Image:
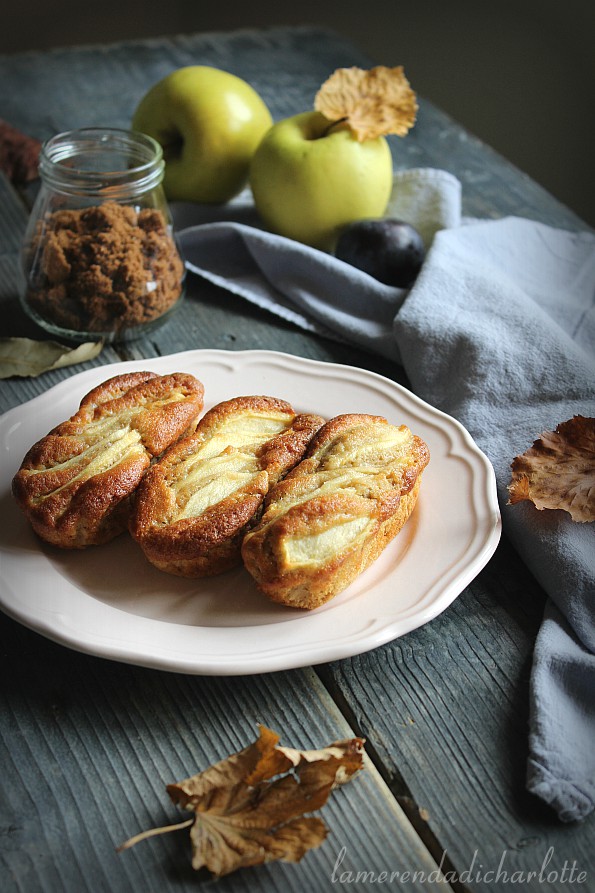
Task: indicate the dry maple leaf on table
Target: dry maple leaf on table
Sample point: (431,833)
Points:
(558,471)
(19,154)
(373,103)
(250,808)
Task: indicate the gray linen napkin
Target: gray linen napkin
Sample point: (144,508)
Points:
(498,331)
(307,287)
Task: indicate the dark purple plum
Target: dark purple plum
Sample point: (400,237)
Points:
(390,250)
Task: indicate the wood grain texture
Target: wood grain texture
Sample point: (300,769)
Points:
(52,91)
(88,746)
(445,711)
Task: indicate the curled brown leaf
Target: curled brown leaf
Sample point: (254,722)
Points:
(558,471)
(19,154)
(251,807)
(372,102)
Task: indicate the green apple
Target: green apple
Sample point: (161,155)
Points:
(310,178)
(209,123)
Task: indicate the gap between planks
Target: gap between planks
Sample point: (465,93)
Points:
(407,814)
(401,800)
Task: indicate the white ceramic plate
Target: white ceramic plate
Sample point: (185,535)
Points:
(110,602)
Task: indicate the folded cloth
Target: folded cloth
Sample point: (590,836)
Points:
(563,680)
(498,331)
(310,288)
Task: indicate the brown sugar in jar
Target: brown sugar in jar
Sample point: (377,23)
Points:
(104,265)
(100,257)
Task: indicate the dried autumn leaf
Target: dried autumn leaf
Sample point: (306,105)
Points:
(19,154)
(373,103)
(27,358)
(249,808)
(558,471)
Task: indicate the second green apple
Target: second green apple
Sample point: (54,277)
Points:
(310,178)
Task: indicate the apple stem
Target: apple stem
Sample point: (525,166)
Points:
(338,123)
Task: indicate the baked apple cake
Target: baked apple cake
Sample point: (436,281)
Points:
(194,506)
(74,485)
(333,515)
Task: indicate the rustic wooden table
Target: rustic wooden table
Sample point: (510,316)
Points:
(87,745)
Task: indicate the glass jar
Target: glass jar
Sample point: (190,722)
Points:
(99,255)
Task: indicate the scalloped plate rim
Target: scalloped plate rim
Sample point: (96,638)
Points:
(302,639)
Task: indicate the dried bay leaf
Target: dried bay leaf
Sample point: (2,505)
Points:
(372,102)
(250,808)
(27,358)
(558,471)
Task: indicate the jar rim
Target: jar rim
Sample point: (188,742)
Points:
(144,168)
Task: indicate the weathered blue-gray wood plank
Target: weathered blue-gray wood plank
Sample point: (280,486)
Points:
(88,746)
(44,93)
(444,708)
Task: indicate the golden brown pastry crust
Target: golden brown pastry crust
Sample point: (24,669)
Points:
(195,505)
(333,515)
(74,485)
